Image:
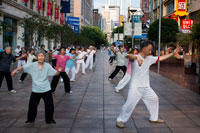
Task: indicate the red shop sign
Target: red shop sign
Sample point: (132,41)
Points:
(186,24)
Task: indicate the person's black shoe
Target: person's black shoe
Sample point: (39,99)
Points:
(51,122)
(28,122)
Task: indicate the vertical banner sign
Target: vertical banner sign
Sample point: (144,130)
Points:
(56,13)
(181,7)
(49,9)
(39,4)
(65,4)
(61,18)
(25,0)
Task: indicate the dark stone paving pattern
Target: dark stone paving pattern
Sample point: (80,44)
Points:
(94,106)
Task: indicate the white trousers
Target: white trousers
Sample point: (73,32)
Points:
(73,71)
(21,63)
(149,98)
(123,82)
(89,61)
(78,67)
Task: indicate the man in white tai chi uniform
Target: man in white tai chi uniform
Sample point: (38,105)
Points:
(140,86)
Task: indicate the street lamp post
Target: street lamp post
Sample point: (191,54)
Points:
(159,35)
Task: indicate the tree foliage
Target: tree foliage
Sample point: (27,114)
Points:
(169,28)
(119,29)
(95,34)
(183,39)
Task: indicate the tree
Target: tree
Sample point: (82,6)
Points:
(34,26)
(119,29)
(95,34)
(169,29)
(68,36)
(83,41)
(183,39)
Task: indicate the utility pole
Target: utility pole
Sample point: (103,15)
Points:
(159,35)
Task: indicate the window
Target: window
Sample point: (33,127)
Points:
(31,4)
(170,8)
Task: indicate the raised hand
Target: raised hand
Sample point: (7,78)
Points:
(178,49)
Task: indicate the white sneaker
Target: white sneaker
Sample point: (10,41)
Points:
(116,90)
(20,81)
(13,91)
(70,91)
(61,80)
(72,80)
(84,73)
(109,79)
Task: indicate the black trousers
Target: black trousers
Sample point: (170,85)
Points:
(116,71)
(23,76)
(66,80)
(33,104)
(53,63)
(8,77)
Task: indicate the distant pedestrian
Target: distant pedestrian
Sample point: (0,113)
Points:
(54,52)
(81,54)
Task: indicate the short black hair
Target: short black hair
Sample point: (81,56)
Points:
(146,43)
(72,49)
(62,47)
(42,45)
(54,47)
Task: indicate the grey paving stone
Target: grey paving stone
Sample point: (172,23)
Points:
(89,123)
(154,130)
(86,130)
(185,130)
(21,130)
(54,130)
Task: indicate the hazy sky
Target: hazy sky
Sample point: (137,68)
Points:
(99,3)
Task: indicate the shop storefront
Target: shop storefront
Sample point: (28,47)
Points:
(10,32)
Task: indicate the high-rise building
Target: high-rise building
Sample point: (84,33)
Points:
(123,4)
(111,15)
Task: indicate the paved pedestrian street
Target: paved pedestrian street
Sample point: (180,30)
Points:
(94,106)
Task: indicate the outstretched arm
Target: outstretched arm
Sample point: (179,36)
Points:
(164,57)
(15,71)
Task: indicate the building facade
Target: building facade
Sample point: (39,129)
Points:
(82,9)
(111,15)
(13,11)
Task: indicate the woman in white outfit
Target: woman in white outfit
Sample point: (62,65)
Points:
(90,54)
(140,86)
(81,54)
(123,82)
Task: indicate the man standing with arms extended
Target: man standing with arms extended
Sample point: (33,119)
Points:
(140,86)
(6,58)
(121,57)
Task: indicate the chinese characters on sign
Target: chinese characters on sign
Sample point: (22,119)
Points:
(181,8)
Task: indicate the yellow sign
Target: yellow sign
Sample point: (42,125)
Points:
(181,8)
(121,20)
